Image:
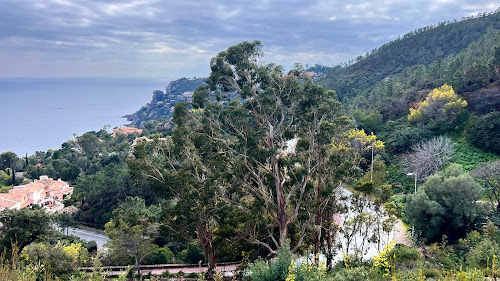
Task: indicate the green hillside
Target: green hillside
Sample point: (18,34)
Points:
(420,47)
(469,71)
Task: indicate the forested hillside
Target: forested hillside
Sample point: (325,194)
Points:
(420,47)
(469,71)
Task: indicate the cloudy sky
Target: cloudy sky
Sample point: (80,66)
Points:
(171,39)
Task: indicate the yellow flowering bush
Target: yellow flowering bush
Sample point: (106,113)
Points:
(364,139)
(76,252)
(442,106)
(381,262)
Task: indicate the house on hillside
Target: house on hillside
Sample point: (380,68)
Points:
(45,192)
(126,130)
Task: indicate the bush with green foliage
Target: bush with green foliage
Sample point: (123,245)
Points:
(442,256)
(471,274)
(370,122)
(162,255)
(275,271)
(353,274)
(481,256)
(91,246)
(192,255)
(405,257)
(403,137)
(445,205)
(60,260)
(306,271)
(486,132)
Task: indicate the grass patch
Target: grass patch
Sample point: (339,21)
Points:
(401,183)
(469,156)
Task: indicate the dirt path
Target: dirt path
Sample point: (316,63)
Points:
(401,235)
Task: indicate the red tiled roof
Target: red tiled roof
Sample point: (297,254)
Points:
(126,130)
(19,194)
(26,203)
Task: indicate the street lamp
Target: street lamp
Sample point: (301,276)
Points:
(371,174)
(413,174)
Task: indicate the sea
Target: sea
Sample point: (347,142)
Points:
(37,114)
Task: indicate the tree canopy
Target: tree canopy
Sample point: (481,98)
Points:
(132,229)
(445,205)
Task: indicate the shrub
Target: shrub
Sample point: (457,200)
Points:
(382,261)
(461,275)
(166,273)
(402,138)
(486,132)
(192,255)
(192,275)
(353,274)
(371,122)
(482,254)
(405,257)
(58,259)
(429,157)
(431,272)
(91,246)
(276,271)
(161,256)
(306,272)
(445,205)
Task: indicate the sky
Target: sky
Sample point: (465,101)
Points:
(173,39)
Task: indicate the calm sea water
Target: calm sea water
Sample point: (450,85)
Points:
(42,113)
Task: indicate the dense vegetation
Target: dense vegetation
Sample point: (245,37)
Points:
(423,46)
(259,161)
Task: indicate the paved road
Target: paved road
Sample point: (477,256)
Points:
(88,235)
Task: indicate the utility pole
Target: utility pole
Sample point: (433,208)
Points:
(413,174)
(371,173)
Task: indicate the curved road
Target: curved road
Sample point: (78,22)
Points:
(89,235)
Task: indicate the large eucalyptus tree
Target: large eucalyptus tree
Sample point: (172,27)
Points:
(278,127)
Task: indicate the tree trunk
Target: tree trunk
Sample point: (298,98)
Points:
(317,238)
(329,241)
(206,236)
(280,198)
(137,265)
(318,222)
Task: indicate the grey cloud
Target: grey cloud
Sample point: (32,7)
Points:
(167,38)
